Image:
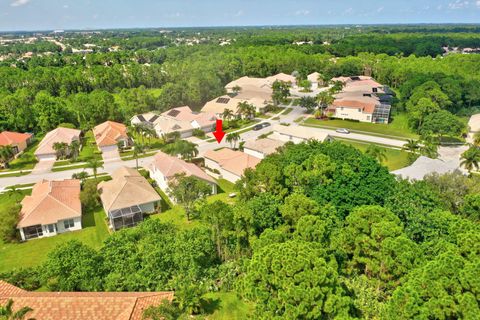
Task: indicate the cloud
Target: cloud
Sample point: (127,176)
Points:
(18,3)
(380,9)
(458,4)
(477,3)
(239,13)
(302,12)
(65,6)
(349,11)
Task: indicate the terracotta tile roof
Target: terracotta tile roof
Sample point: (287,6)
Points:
(8,138)
(233,161)
(109,133)
(83,305)
(126,189)
(50,202)
(66,135)
(183,119)
(266,146)
(366,106)
(170,166)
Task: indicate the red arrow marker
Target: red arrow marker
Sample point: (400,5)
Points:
(219,134)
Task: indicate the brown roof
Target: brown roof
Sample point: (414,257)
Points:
(82,305)
(233,161)
(50,202)
(66,135)
(109,133)
(8,138)
(170,166)
(366,106)
(126,189)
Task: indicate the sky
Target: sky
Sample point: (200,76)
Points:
(101,14)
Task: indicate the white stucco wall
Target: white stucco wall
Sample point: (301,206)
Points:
(254,153)
(352,114)
(60,228)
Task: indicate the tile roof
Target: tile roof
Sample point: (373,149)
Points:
(233,161)
(126,189)
(247,81)
(282,77)
(170,166)
(313,77)
(83,305)
(109,133)
(266,146)
(218,105)
(367,106)
(8,138)
(182,119)
(50,202)
(66,135)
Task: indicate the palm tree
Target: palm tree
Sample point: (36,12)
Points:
(412,146)
(376,152)
(82,176)
(227,114)
(324,99)
(60,149)
(150,133)
(476,139)
(7,313)
(233,138)
(13,192)
(74,149)
(245,109)
(337,87)
(6,154)
(137,150)
(236,89)
(471,159)
(94,164)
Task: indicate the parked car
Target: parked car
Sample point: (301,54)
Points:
(257,127)
(266,124)
(343,130)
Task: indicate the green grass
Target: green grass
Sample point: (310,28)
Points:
(287,111)
(397,128)
(89,148)
(25,161)
(32,253)
(227,306)
(396,159)
(17,174)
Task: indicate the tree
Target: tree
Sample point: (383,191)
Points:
(376,152)
(297,205)
(476,139)
(189,191)
(245,109)
(295,280)
(61,149)
(6,155)
(138,149)
(74,149)
(280,92)
(227,114)
(309,103)
(94,164)
(82,176)
(471,159)
(89,196)
(441,123)
(233,138)
(7,313)
(306,85)
(165,311)
(412,146)
(420,110)
(337,87)
(186,149)
(73,266)
(324,99)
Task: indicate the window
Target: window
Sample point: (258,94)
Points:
(68,223)
(51,228)
(368,118)
(33,232)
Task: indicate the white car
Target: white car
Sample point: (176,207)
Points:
(343,130)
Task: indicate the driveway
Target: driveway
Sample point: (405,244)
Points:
(110,155)
(43,166)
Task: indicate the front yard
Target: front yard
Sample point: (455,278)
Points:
(25,161)
(397,128)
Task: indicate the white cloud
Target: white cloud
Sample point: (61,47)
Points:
(239,13)
(349,11)
(302,12)
(477,3)
(18,3)
(458,4)
(380,9)
(65,6)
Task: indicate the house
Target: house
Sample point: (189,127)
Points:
(316,80)
(473,127)
(45,149)
(146,119)
(109,134)
(18,141)
(164,168)
(282,77)
(299,134)
(127,197)
(82,305)
(53,207)
(220,104)
(229,163)
(184,121)
(262,147)
(247,83)
(362,99)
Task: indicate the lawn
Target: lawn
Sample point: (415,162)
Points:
(26,160)
(34,252)
(89,148)
(227,305)
(397,128)
(396,159)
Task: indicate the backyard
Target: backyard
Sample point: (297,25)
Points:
(398,127)
(396,159)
